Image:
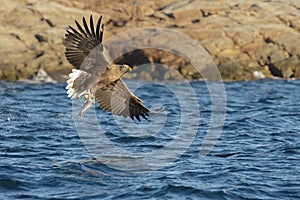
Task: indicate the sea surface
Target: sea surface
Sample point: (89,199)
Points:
(48,152)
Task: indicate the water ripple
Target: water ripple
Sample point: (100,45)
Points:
(256,157)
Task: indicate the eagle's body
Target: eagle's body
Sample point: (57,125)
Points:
(95,77)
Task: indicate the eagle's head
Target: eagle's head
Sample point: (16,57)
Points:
(125,68)
(116,71)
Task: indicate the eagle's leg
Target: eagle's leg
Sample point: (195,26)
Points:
(89,100)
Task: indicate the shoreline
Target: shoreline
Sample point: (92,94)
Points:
(39,82)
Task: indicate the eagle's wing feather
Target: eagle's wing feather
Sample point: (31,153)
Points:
(119,100)
(84,48)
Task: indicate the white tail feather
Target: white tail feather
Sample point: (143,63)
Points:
(70,83)
(70,91)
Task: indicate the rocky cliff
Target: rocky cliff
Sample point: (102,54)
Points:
(246,39)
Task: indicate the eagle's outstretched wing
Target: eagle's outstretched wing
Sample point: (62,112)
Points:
(84,48)
(119,100)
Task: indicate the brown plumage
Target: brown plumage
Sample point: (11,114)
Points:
(95,76)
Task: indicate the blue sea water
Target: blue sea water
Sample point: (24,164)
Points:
(257,156)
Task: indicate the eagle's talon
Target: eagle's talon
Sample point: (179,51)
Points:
(88,102)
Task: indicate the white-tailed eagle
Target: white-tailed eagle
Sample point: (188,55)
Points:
(95,77)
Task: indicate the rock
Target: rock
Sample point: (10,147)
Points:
(189,72)
(43,77)
(216,45)
(268,53)
(173,74)
(287,43)
(186,17)
(207,7)
(246,39)
(203,33)
(258,75)
(32,39)
(288,68)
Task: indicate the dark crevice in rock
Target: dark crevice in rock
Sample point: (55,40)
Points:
(40,54)
(16,36)
(170,15)
(269,40)
(275,71)
(286,22)
(290,54)
(48,22)
(205,14)
(40,38)
(292,75)
(283,47)
(174,3)
(174,26)
(157,17)
(235,6)
(19,38)
(196,21)
(118,23)
(291,24)
(295,6)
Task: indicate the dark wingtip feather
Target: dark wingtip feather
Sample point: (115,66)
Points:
(143,116)
(74,30)
(92,25)
(98,28)
(80,28)
(101,33)
(86,26)
(138,118)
